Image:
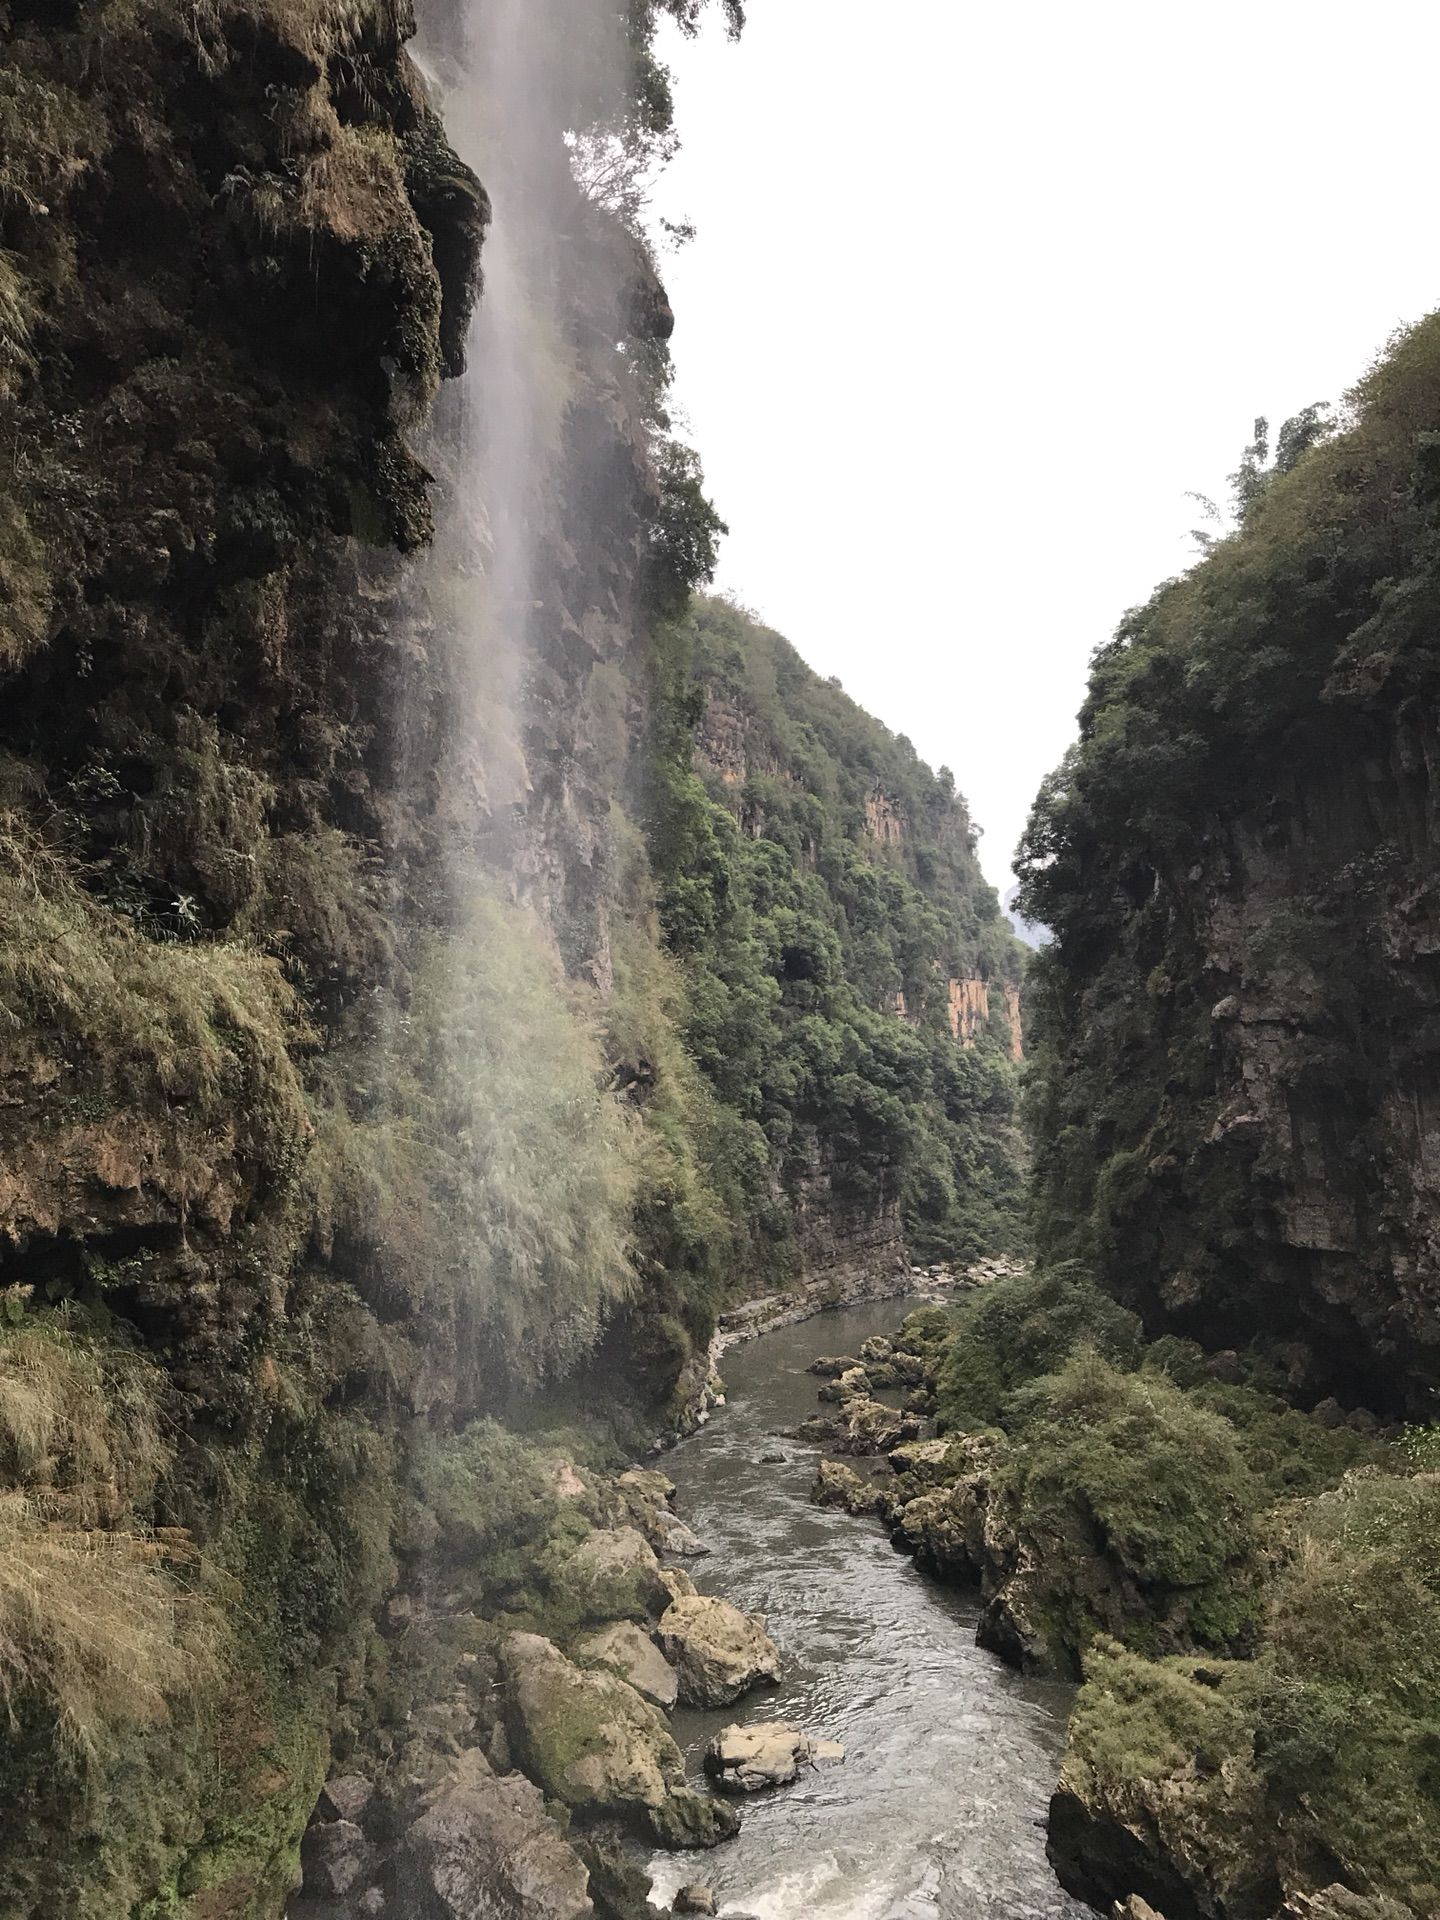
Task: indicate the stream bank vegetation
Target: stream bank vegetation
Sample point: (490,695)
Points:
(1248,1593)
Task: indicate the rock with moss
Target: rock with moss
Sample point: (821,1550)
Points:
(719,1652)
(869,1426)
(837,1485)
(589,1740)
(612,1573)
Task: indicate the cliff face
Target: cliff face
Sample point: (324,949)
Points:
(1238,1022)
(359,1077)
(853,991)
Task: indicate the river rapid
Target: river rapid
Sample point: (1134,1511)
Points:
(937,1811)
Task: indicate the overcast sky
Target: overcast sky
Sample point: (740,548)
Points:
(979,291)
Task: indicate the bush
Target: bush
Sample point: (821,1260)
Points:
(1020,1327)
(1138,1507)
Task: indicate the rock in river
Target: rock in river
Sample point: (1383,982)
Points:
(719,1651)
(768,1753)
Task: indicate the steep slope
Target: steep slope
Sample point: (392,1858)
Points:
(1236,1027)
(852,991)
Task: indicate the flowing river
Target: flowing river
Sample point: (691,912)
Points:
(937,1811)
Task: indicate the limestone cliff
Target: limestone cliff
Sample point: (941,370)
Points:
(1238,1021)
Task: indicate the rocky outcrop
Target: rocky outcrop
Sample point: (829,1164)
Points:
(718,1651)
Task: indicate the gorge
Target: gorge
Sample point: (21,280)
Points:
(453,967)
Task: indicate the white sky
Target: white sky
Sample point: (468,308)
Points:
(980,290)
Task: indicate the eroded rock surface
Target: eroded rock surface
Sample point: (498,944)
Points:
(718,1651)
(767,1753)
(631,1651)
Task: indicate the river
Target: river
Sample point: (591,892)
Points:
(937,1811)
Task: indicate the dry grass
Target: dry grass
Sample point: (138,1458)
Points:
(94,1628)
(79,1435)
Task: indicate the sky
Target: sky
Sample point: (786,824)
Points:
(979,292)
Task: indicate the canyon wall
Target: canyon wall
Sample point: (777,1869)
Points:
(398,1032)
(1237,1024)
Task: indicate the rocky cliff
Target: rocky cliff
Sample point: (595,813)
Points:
(354,1058)
(1238,1020)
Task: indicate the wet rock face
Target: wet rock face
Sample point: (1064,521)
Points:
(486,1850)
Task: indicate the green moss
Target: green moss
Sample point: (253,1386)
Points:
(1020,1327)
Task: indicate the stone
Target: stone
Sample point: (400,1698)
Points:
(587,1738)
(767,1753)
(677,1583)
(837,1485)
(772,1459)
(877,1347)
(614,1572)
(346,1797)
(694,1899)
(634,1655)
(1134,1909)
(869,1426)
(831,1365)
(718,1651)
(336,1858)
(485,1846)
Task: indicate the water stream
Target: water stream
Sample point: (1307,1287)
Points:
(936,1812)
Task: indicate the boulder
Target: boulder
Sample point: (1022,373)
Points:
(869,1426)
(877,1347)
(831,1365)
(647,1494)
(853,1384)
(613,1573)
(485,1846)
(1134,1909)
(719,1651)
(336,1858)
(589,1739)
(695,1899)
(635,1657)
(768,1753)
(346,1797)
(837,1485)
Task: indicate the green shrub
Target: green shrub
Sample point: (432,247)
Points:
(1138,1506)
(1023,1326)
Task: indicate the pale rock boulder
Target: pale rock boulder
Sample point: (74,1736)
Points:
(632,1653)
(718,1651)
(589,1739)
(768,1753)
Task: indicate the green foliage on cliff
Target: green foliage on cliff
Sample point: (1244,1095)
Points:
(814,878)
(1234,860)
